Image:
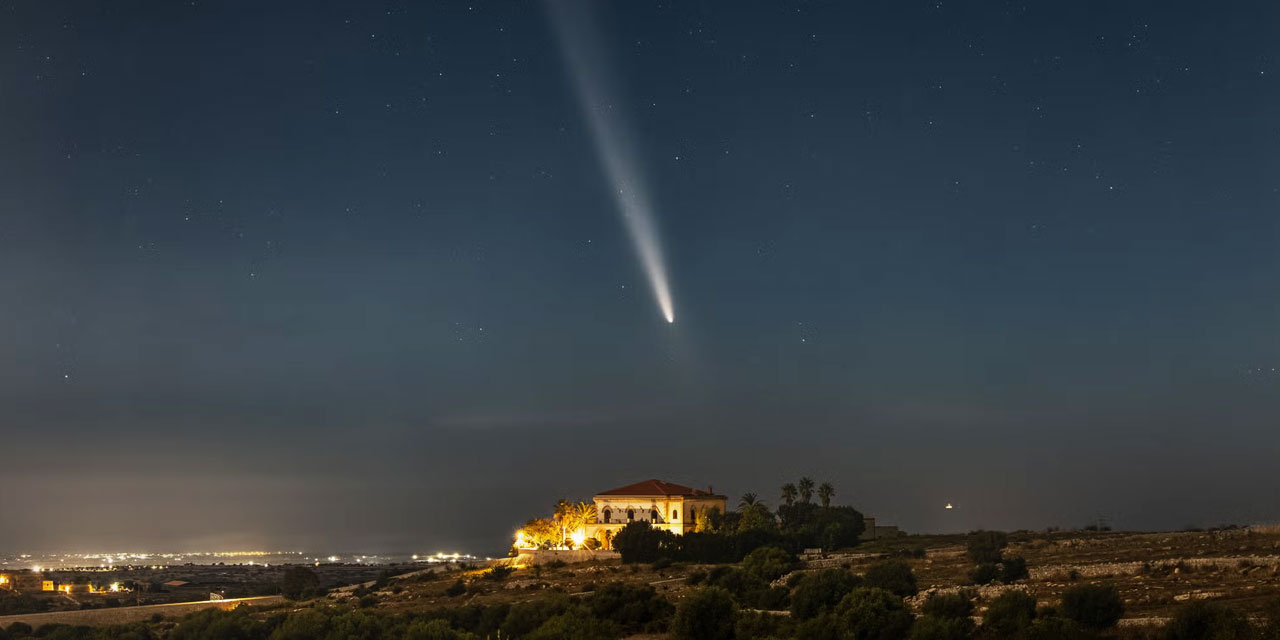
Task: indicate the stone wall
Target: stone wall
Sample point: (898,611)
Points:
(543,556)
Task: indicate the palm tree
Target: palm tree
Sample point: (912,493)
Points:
(561,514)
(806,489)
(825,493)
(789,493)
(748,500)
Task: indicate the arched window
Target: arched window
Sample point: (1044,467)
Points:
(631,515)
(607,514)
(675,515)
(653,515)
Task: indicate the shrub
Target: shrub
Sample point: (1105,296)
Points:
(1096,606)
(820,591)
(1207,621)
(456,589)
(661,563)
(892,575)
(706,614)
(368,601)
(769,563)
(298,582)
(1009,614)
(575,625)
(929,627)
(634,607)
(696,578)
(638,542)
(1013,568)
(747,589)
(524,617)
(434,630)
(951,606)
(211,624)
(985,546)
(984,573)
(754,625)
(774,599)
(498,573)
(1057,628)
(872,614)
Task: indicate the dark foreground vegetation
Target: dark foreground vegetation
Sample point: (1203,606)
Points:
(762,598)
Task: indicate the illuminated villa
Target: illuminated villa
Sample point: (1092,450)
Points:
(664,505)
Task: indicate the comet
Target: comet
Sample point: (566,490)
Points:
(584,56)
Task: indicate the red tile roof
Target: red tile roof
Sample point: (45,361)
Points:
(655,488)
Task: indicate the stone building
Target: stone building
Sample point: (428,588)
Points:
(664,505)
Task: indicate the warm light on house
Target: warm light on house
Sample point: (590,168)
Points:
(578,538)
(520,540)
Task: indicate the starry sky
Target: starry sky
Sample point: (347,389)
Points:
(353,276)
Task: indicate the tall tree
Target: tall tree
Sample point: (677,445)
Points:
(748,500)
(561,515)
(825,493)
(806,489)
(789,494)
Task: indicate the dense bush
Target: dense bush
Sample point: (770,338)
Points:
(746,588)
(524,617)
(753,625)
(1057,628)
(872,614)
(1013,568)
(986,546)
(639,542)
(929,627)
(1010,614)
(435,630)
(299,582)
(1208,621)
(821,591)
(706,614)
(1096,606)
(984,573)
(456,589)
(949,606)
(574,625)
(769,563)
(214,624)
(634,608)
(893,575)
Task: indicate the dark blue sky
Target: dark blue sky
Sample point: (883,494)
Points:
(351,275)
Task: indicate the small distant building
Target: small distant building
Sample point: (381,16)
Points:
(24,582)
(664,505)
(872,531)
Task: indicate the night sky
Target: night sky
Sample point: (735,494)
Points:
(354,276)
